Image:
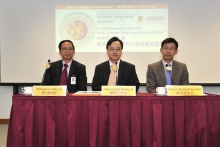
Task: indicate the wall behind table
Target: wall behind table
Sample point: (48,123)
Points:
(6,93)
(28,37)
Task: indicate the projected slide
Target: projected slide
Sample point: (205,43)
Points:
(140,27)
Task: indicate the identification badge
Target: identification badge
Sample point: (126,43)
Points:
(73,80)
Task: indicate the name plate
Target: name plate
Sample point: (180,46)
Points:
(118,91)
(49,90)
(173,90)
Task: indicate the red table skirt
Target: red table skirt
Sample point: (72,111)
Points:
(141,121)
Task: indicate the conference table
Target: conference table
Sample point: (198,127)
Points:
(144,120)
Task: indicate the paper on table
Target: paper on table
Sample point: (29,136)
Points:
(87,93)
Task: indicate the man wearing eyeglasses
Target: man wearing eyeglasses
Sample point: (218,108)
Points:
(66,71)
(167,71)
(114,71)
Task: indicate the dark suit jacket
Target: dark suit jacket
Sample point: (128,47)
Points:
(78,70)
(126,76)
(156,75)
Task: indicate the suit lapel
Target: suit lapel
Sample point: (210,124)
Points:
(175,69)
(58,70)
(121,71)
(106,71)
(72,71)
(160,69)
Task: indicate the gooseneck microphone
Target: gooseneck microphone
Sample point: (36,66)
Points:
(45,73)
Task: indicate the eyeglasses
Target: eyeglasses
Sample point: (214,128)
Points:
(67,49)
(170,49)
(114,50)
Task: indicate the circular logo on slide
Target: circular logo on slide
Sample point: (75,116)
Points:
(78,27)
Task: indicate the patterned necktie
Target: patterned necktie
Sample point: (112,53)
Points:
(168,75)
(63,79)
(111,79)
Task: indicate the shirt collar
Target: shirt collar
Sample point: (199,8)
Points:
(110,63)
(69,64)
(164,63)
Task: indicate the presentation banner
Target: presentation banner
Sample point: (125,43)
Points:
(140,27)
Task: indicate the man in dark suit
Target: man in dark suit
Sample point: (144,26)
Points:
(75,72)
(125,73)
(157,72)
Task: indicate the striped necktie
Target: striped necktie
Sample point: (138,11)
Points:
(168,75)
(63,79)
(111,79)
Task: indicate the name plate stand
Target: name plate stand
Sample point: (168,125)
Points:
(173,90)
(49,90)
(118,91)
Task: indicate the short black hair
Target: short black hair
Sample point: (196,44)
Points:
(61,42)
(112,40)
(169,40)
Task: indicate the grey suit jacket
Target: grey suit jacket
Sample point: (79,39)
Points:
(126,76)
(156,75)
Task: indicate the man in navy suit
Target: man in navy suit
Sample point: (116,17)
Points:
(126,73)
(76,79)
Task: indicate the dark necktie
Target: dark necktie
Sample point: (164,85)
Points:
(63,79)
(168,76)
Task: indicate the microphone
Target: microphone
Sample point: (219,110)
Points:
(45,72)
(168,67)
(116,72)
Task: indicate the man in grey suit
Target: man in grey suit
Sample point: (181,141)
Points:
(126,73)
(157,72)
